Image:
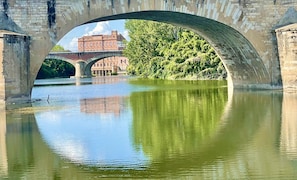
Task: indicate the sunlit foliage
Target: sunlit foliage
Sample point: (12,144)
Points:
(158,50)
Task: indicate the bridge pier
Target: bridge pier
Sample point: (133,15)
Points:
(287,48)
(81,70)
(14,67)
(88,72)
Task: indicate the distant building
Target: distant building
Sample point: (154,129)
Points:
(111,42)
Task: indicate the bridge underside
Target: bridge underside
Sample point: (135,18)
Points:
(244,65)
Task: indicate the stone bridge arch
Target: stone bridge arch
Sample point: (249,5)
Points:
(244,65)
(55,57)
(90,62)
(76,64)
(83,67)
(245,42)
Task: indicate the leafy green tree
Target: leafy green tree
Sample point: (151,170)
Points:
(159,50)
(58,48)
(55,68)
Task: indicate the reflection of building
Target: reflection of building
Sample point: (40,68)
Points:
(108,105)
(288,140)
(111,42)
(109,80)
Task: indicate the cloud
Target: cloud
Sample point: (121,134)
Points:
(100,28)
(72,45)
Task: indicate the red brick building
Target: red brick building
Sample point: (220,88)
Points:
(111,42)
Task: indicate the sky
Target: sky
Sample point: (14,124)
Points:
(69,41)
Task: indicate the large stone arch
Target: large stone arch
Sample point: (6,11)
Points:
(243,63)
(244,41)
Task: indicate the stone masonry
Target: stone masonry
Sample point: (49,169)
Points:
(15,77)
(243,32)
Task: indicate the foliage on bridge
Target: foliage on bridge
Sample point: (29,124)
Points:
(158,50)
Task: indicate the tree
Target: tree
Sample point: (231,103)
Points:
(159,50)
(55,68)
(58,48)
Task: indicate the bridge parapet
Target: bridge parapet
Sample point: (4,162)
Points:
(85,56)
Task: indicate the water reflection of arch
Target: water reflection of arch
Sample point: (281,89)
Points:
(263,117)
(219,147)
(263,108)
(25,147)
(215,154)
(27,154)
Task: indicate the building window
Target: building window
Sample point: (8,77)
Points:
(120,44)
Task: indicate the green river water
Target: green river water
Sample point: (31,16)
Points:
(119,127)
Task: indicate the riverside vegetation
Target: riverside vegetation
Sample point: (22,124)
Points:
(159,50)
(55,68)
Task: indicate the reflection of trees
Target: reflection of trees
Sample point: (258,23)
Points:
(28,156)
(244,147)
(239,148)
(175,121)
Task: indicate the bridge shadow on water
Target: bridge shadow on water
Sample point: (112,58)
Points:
(268,123)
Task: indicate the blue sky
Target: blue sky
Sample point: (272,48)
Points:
(69,41)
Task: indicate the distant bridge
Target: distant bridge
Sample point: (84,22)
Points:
(83,61)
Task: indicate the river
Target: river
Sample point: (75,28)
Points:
(120,127)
